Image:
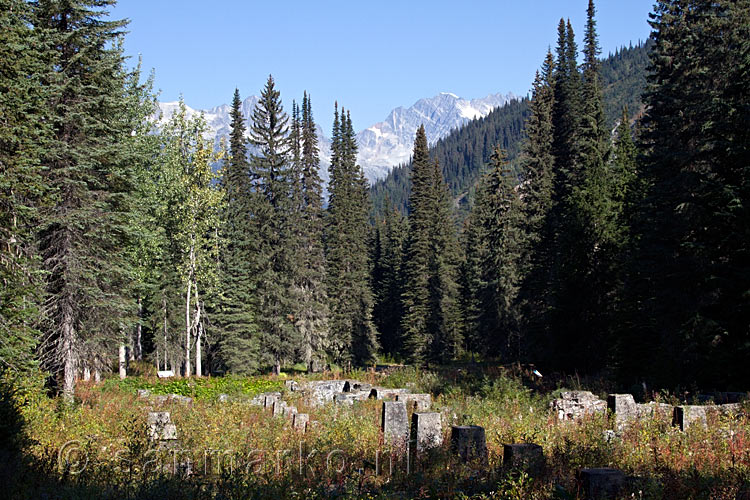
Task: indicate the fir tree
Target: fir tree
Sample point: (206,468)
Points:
(430,325)
(239,348)
(501,222)
(388,281)
(22,135)
(352,333)
(84,235)
(312,316)
(690,270)
(273,230)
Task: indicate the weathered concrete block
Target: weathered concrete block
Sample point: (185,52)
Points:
(348,398)
(527,457)
(623,408)
(300,421)
(278,408)
(426,431)
(415,402)
(383,393)
(288,411)
(354,386)
(165,374)
(161,427)
(574,405)
(270,399)
(323,391)
(394,422)
(186,400)
(291,385)
(158,418)
(688,416)
(223,398)
(143,393)
(601,483)
(167,432)
(469,442)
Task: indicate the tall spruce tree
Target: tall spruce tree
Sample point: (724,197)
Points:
(312,315)
(501,222)
(84,235)
(536,191)
(23,100)
(387,278)
(352,333)
(430,325)
(690,271)
(273,175)
(235,319)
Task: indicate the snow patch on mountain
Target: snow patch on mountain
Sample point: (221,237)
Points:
(383,145)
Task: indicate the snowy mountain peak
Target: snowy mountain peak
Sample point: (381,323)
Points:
(382,145)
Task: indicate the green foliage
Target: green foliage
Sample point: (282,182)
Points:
(352,333)
(430,323)
(199,388)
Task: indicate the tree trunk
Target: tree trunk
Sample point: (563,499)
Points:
(138,347)
(164,306)
(68,355)
(123,362)
(86,374)
(97,370)
(187,327)
(198,331)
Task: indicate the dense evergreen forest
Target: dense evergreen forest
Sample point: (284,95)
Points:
(600,235)
(465,153)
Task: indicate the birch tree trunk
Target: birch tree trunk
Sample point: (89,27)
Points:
(68,355)
(123,362)
(187,326)
(198,331)
(138,347)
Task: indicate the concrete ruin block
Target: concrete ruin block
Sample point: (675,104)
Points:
(349,398)
(288,411)
(356,386)
(575,405)
(623,408)
(185,400)
(278,408)
(426,431)
(323,391)
(383,393)
(158,418)
(160,426)
(527,457)
(394,422)
(300,421)
(469,442)
(291,385)
(143,393)
(223,398)
(270,399)
(689,416)
(415,402)
(600,484)
(165,374)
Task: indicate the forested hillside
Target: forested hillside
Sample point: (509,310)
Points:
(466,152)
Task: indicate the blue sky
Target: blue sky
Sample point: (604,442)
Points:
(371,56)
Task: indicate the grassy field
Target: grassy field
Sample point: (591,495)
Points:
(99,448)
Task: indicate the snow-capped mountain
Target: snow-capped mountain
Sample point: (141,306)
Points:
(390,142)
(383,145)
